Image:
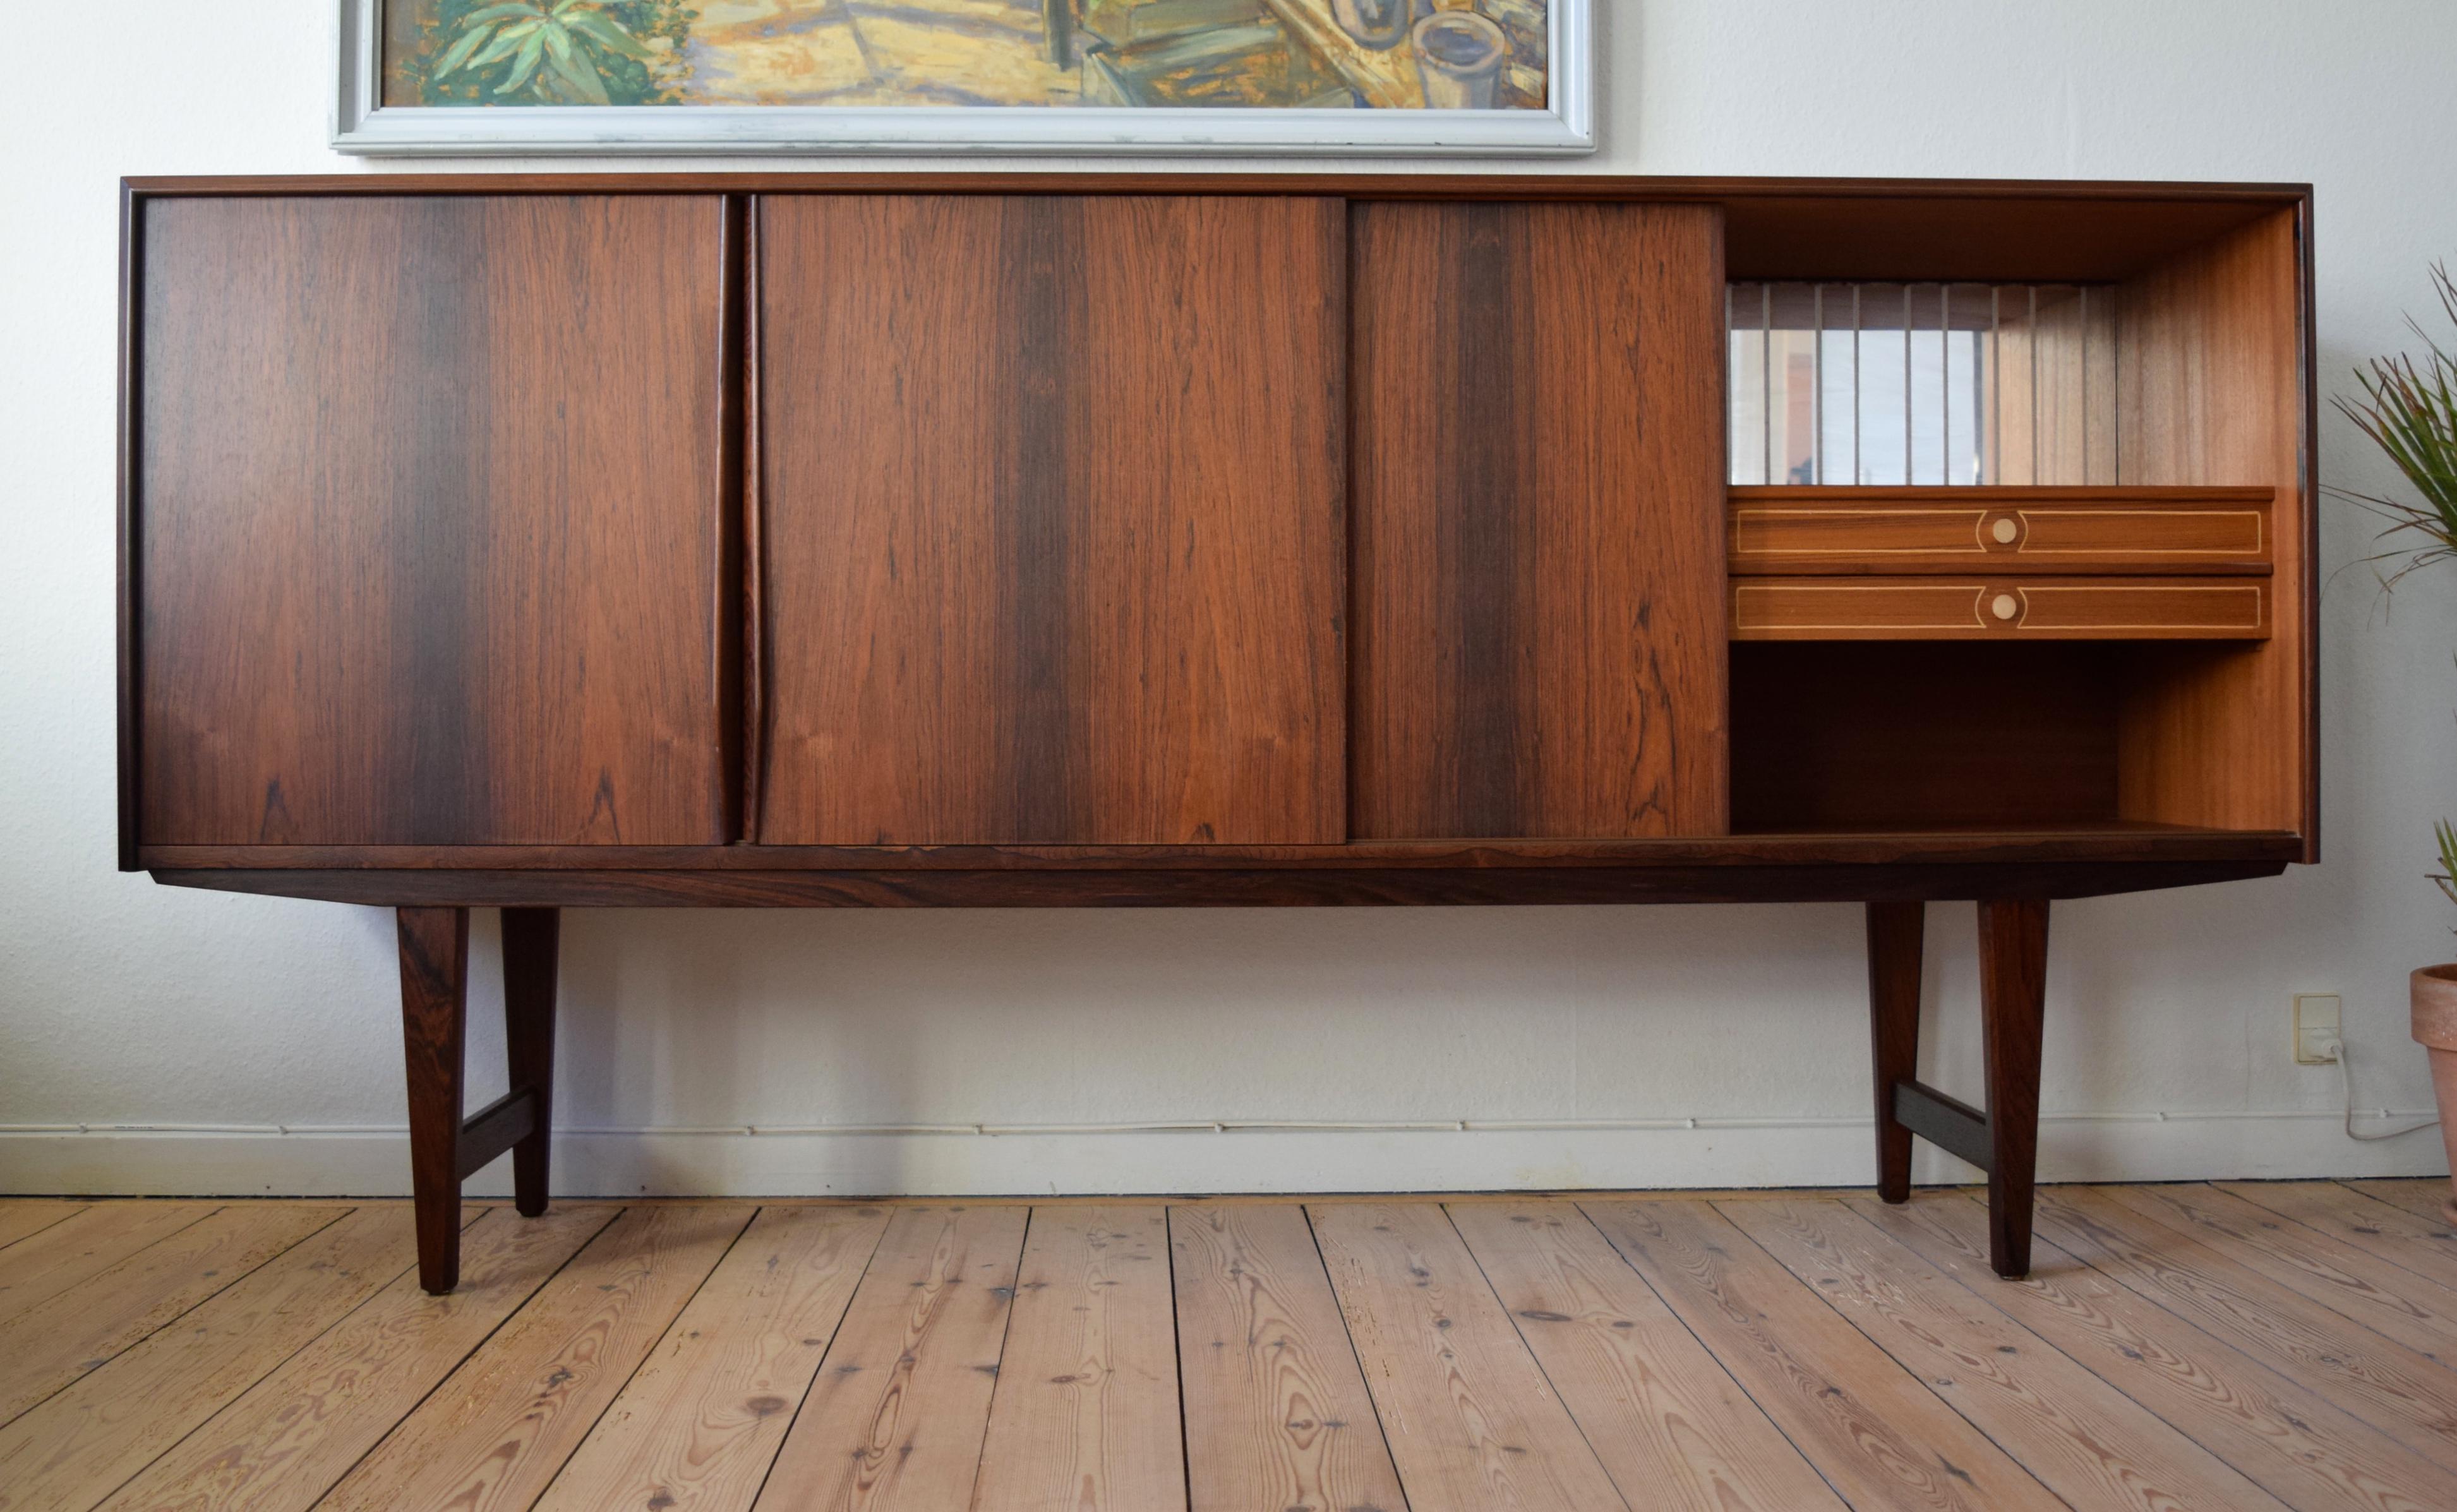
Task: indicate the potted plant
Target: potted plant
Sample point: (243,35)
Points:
(2408,408)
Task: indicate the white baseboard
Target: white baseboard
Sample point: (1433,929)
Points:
(1764,1153)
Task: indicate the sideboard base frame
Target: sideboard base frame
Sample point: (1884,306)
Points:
(2003,1140)
(447,1148)
(1258,888)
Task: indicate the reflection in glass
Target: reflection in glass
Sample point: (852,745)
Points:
(1921,383)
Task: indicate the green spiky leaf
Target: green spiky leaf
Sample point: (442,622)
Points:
(506,42)
(579,79)
(2446,877)
(2408,407)
(524,63)
(602,29)
(459,52)
(497,13)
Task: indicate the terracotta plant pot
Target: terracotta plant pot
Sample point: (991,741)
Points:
(2434,990)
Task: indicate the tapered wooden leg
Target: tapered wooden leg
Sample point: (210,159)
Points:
(530,937)
(1893,1026)
(434,1017)
(2012,988)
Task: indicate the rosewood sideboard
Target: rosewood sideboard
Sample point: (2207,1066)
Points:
(778,540)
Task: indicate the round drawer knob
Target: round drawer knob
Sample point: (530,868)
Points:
(2004,606)
(2005,531)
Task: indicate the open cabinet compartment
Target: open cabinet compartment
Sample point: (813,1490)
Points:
(2200,327)
(1869,736)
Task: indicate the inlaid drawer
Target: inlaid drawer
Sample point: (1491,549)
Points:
(1981,609)
(2169,532)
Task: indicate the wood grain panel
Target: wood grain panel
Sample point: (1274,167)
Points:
(1051,501)
(897,1417)
(2214,375)
(1670,1424)
(1537,553)
(493,1435)
(2292,1441)
(45,1348)
(1987,529)
(2106,843)
(283,1442)
(1881,1438)
(1085,1413)
(2113,1388)
(1875,736)
(2349,1280)
(429,540)
(434,951)
(2426,1197)
(697,1427)
(1276,1413)
(2008,608)
(1985,230)
(48,1262)
(2072,351)
(2084,1439)
(2425,1246)
(74,1449)
(2386,1383)
(33,1215)
(1471,1420)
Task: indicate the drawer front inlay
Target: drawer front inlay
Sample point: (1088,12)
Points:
(2147,535)
(1963,609)
(2065,530)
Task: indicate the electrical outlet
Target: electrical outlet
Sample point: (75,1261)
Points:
(2317,1019)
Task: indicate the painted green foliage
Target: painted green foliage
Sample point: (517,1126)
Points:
(550,53)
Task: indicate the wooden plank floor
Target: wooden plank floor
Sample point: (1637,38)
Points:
(2234,1345)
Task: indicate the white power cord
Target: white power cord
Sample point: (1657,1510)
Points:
(2337,1051)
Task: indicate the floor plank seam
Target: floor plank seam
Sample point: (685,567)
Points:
(1006,1331)
(2326,1304)
(1347,1336)
(547,1486)
(2390,1255)
(66,1212)
(1686,1326)
(2232,1298)
(232,1399)
(2262,1371)
(1738,1385)
(445,1378)
(1176,1352)
(1914,1377)
(1520,1333)
(2432,1209)
(2042,1250)
(2249,1302)
(1949,1405)
(2189,1344)
(172,1320)
(6,1315)
(615,1397)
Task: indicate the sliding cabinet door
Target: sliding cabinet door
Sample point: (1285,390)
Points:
(430,542)
(1050,517)
(1538,589)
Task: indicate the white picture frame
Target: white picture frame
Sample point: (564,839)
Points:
(364,125)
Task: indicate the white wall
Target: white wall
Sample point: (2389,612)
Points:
(125,1004)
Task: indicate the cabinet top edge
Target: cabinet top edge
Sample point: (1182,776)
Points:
(1536,187)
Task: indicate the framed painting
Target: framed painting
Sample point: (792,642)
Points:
(1416,78)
